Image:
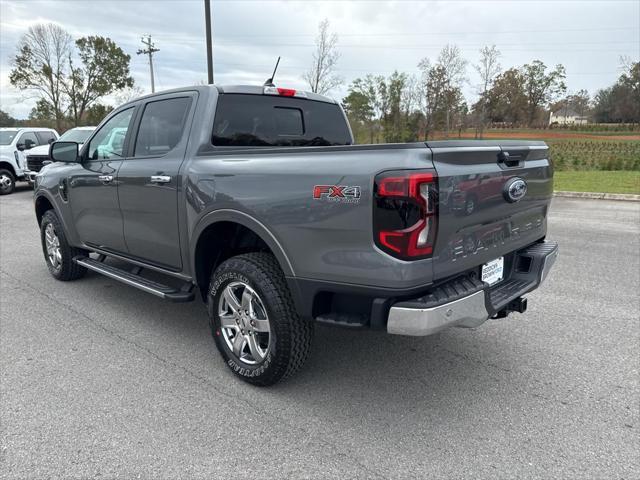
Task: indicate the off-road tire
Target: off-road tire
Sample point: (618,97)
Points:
(8,189)
(68,269)
(291,336)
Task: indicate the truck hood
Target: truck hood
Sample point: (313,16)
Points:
(39,150)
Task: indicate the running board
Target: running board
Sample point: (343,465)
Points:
(135,280)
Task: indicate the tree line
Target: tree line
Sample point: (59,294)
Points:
(405,107)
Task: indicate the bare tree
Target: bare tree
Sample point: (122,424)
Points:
(321,76)
(488,68)
(453,68)
(625,63)
(410,95)
(441,89)
(431,93)
(41,64)
(131,93)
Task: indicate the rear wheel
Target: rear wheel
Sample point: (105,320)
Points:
(7,182)
(58,254)
(254,321)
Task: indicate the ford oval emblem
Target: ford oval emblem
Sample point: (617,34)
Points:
(515,189)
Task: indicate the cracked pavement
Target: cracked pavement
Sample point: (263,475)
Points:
(101,380)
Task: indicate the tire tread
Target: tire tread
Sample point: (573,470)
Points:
(295,341)
(70,270)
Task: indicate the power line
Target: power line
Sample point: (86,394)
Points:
(366,70)
(391,48)
(198,40)
(611,45)
(421,34)
(150,50)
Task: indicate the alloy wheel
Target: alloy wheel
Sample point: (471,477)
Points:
(244,323)
(6,182)
(52,244)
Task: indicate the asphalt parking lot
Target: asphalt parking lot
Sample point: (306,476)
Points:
(102,380)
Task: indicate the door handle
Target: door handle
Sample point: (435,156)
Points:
(160,178)
(105,178)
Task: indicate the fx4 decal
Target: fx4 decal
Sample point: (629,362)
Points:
(337,193)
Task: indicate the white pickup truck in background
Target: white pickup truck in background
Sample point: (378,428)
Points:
(13,144)
(36,157)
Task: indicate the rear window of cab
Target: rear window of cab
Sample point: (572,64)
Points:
(273,121)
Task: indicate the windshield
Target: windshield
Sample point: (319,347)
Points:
(7,136)
(75,135)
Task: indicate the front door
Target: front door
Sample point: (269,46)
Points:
(26,142)
(149,181)
(92,186)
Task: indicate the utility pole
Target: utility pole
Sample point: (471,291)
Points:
(207,22)
(150,50)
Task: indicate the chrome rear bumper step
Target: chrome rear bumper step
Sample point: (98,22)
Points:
(135,280)
(468,311)
(468,302)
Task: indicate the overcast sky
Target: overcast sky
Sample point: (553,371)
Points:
(587,37)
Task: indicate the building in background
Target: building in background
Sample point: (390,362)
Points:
(567,117)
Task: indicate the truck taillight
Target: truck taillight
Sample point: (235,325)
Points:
(405,214)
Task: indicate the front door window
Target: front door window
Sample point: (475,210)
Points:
(108,142)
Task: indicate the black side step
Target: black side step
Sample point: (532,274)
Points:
(135,280)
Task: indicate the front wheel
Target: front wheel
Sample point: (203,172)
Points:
(58,254)
(254,322)
(7,182)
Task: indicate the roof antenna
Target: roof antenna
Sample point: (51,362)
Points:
(269,82)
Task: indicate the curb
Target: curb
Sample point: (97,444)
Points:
(627,197)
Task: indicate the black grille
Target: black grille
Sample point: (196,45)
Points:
(34,162)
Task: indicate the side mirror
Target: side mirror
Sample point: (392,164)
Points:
(64,152)
(20,147)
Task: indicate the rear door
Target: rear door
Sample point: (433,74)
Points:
(92,185)
(149,181)
(478,220)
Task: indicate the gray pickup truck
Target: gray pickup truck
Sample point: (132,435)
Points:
(257,198)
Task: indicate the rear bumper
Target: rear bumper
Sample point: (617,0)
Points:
(467,302)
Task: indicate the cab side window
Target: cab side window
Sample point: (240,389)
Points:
(29,140)
(108,142)
(46,137)
(161,126)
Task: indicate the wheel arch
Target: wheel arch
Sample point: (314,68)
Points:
(42,204)
(224,233)
(5,164)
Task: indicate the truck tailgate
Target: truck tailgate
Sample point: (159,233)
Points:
(478,220)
